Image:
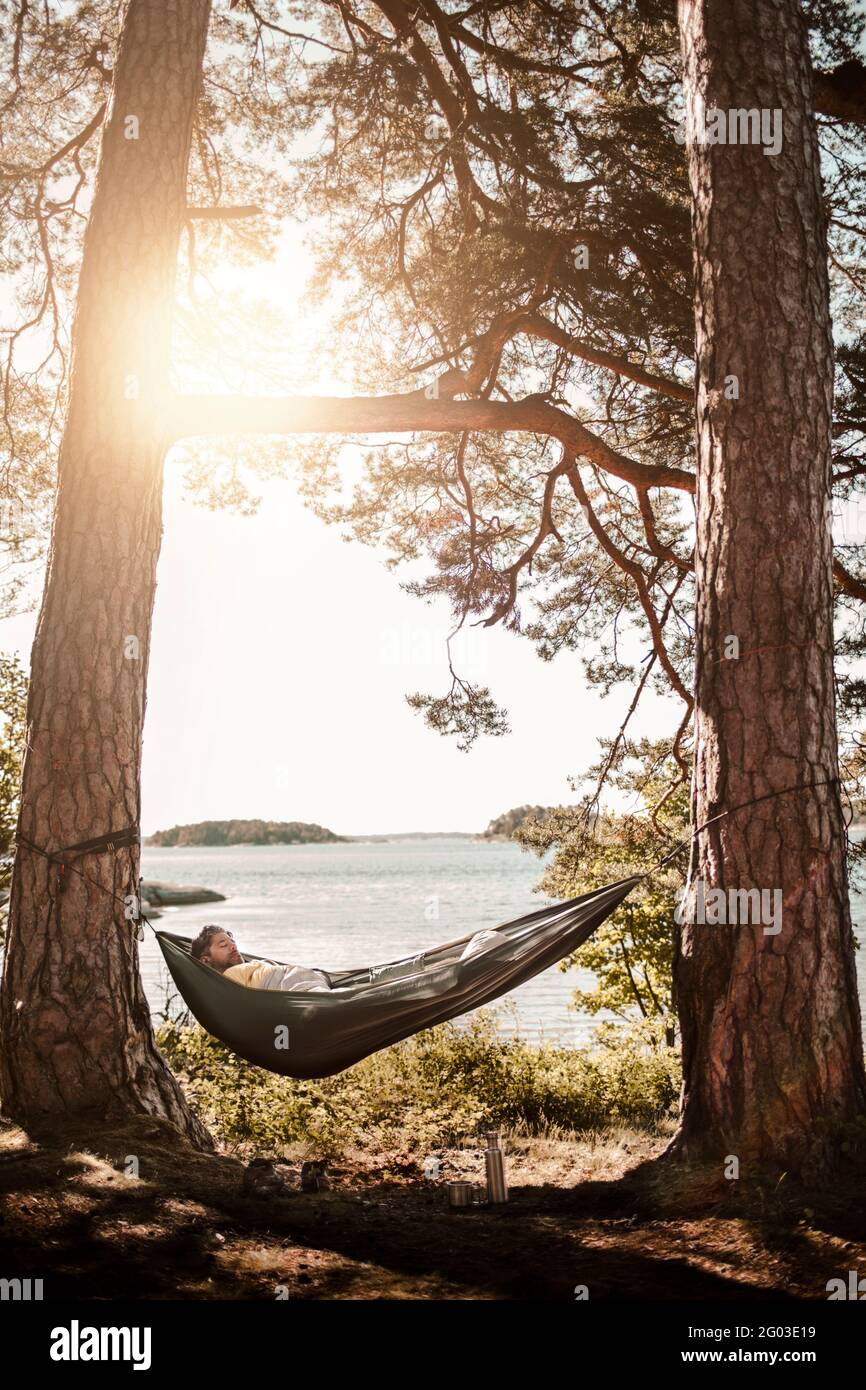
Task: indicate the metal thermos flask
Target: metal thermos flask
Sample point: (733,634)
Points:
(497,1187)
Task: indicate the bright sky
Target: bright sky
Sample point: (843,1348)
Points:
(280,660)
(279,663)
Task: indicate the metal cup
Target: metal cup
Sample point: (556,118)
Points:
(462,1195)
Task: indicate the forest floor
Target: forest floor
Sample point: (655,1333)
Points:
(601,1211)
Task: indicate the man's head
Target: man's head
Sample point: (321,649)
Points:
(216,947)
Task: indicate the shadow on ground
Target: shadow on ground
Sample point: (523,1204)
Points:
(612,1218)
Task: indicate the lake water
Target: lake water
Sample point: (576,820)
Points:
(346,905)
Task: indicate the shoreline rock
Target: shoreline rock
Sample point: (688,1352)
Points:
(178,894)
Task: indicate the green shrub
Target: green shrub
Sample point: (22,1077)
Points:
(429,1090)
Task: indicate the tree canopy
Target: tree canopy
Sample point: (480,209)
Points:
(499,222)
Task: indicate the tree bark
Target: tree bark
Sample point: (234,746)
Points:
(76,1035)
(772,1046)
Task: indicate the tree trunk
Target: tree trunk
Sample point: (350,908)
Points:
(77,1041)
(772,1047)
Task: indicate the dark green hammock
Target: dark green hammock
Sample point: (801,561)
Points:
(305,1035)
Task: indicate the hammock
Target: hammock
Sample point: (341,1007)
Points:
(312,1034)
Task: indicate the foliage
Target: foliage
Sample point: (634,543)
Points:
(631,953)
(13,730)
(13,713)
(504,826)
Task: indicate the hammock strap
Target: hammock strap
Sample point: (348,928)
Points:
(115,839)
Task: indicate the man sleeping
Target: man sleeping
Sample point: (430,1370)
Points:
(217,948)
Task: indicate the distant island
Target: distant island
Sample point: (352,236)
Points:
(270,832)
(245,832)
(504,826)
